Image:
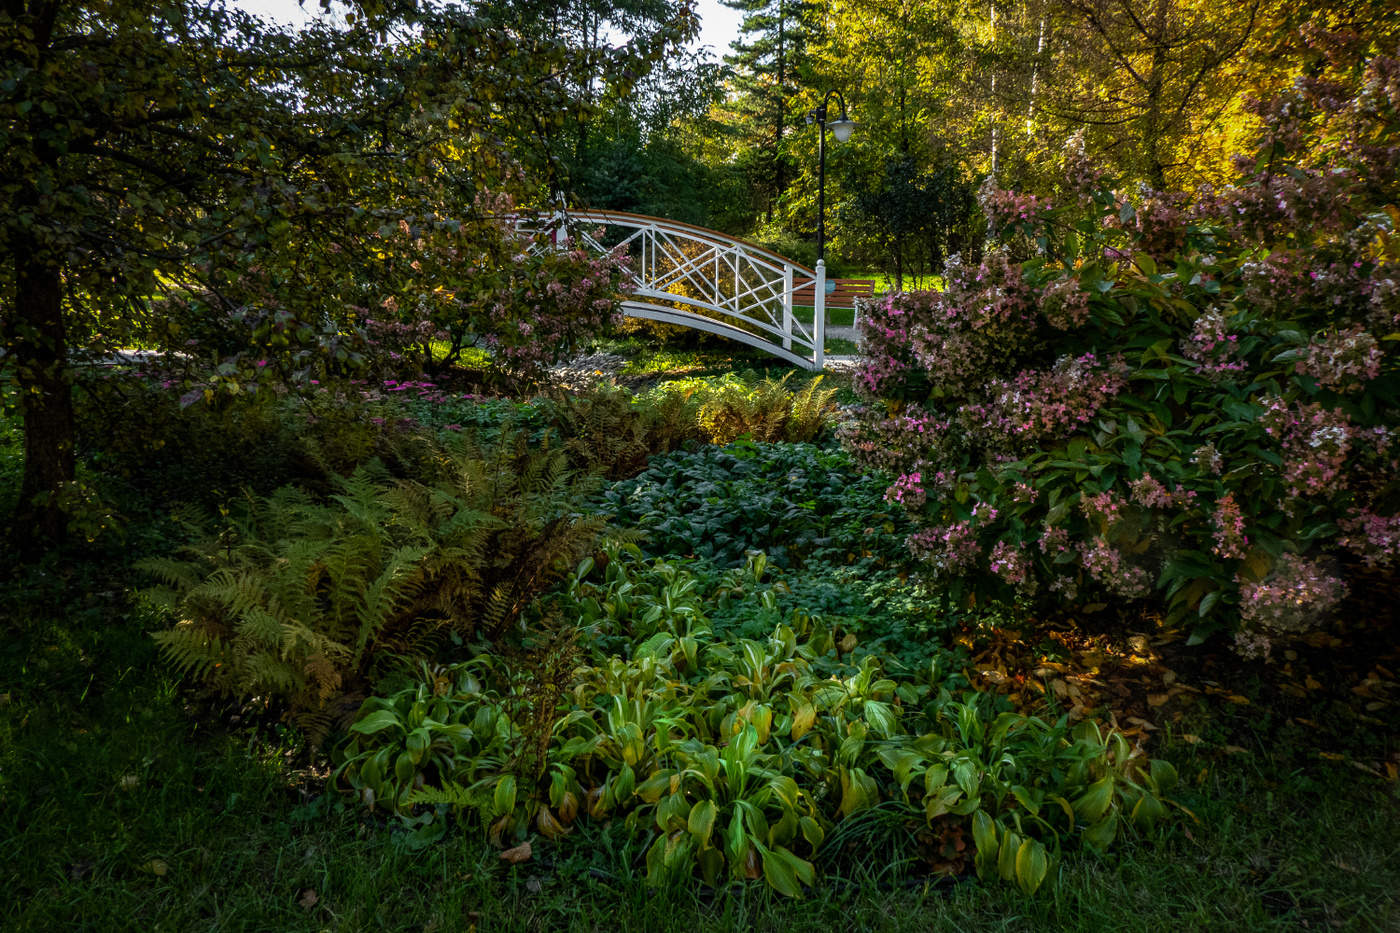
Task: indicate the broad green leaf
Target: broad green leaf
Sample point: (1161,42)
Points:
(503,800)
(701,822)
(377,721)
(1101,835)
(1094,802)
(1032,865)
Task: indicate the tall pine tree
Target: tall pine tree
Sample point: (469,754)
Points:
(773,39)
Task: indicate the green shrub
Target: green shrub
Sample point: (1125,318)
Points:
(741,759)
(299,600)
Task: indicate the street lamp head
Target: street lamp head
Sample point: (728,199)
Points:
(841,128)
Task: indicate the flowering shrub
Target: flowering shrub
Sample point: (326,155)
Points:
(485,284)
(1192,399)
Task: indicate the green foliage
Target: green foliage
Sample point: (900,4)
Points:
(741,757)
(795,502)
(299,601)
(767,413)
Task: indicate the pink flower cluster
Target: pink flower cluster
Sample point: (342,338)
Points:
(1040,404)
(1344,361)
(1314,442)
(1297,595)
(1211,345)
(908,491)
(1228,519)
(947,549)
(1012,565)
(1107,566)
(1374,538)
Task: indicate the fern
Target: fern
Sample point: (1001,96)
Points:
(296,599)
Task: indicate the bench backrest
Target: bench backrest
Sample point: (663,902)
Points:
(845,295)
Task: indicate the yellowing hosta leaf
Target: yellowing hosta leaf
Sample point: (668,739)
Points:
(762,719)
(1006,856)
(548,826)
(802,719)
(858,791)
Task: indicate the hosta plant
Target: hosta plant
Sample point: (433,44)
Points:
(741,758)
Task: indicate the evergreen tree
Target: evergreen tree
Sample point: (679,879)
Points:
(765,59)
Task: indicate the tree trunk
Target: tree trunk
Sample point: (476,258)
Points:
(1152,119)
(40,352)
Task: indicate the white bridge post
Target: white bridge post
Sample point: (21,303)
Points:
(787,307)
(819,318)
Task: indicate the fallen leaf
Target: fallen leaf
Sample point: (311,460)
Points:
(1190,739)
(1236,698)
(308,898)
(520,853)
(1235,750)
(1157,699)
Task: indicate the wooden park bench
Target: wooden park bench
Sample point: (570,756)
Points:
(845,295)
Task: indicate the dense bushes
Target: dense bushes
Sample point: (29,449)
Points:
(1196,400)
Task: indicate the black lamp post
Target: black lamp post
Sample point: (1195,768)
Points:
(840,128)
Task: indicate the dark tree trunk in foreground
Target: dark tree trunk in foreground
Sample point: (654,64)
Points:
(40,354)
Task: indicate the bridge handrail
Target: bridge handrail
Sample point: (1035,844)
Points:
(607,216)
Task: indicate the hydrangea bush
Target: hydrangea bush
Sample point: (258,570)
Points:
(1192,400)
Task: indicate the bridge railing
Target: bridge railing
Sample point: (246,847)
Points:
(695,277)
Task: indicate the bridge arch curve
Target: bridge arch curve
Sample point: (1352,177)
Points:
(695,277)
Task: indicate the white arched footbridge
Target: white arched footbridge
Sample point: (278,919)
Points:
(695,277)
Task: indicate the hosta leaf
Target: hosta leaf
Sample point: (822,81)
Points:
(1163,775)
(1148,811)
(503,800)
(1101,835)
(701,822)
(984,836)
(811,831)
(1026,798)
(1006,855)
(1032,865)
(1093,803)
(785,872)
(377,721)
(804,716)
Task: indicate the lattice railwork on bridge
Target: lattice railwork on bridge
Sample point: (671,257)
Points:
(695,277)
